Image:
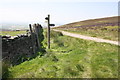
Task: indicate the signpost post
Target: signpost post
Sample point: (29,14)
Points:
(48,32)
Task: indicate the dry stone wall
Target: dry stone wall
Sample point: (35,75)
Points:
(19,48)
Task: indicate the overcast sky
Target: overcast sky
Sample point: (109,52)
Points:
(61,11)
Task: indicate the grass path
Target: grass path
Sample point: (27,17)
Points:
(87,37)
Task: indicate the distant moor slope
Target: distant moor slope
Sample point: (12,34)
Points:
(108,21)
(106,28)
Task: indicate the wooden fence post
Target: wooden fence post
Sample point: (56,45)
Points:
(37,36)
(32,38)
(31,31)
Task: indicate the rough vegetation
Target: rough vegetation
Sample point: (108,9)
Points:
(71,58)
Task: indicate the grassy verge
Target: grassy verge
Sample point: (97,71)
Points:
(71,58)
(12,33)
(108,32)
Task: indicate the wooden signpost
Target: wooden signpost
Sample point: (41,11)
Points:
(48,32)
(36,31)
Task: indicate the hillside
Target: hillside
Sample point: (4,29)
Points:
(93,22)
(106,28)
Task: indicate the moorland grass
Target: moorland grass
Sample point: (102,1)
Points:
(104,32)
(71,58)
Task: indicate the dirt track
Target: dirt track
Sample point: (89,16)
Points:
(87,37)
